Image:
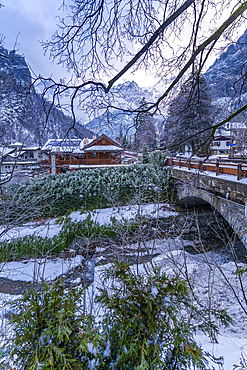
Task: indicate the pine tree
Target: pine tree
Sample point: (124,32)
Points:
(145,128)
(150,322)
(189,112)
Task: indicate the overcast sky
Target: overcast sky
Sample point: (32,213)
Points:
(35,20)
(32,21)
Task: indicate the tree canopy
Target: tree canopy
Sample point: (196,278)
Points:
(189,112)
(103,40)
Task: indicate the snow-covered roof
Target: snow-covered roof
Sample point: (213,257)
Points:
(33,148)
(104,148)
(79,149)
(66,145)
(103,136)
(221,138)
(4,151)
(78,146)
(16,145)
(61,145)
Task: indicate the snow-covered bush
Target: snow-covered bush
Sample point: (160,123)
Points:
(97,188)
(147,322)
(51,330)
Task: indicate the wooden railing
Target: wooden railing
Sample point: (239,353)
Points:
(237,169)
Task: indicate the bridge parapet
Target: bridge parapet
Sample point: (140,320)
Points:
(232,212)
(227,197)
(218,167)
(225,188)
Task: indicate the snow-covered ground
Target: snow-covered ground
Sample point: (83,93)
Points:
(212,276)
(38,269)
(232,341)
(50,227)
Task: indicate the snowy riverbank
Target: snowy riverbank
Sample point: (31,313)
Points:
(212,276)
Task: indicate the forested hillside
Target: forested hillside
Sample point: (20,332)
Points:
(22,110)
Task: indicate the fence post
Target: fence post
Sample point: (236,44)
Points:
(200,166)
(217,167)
(169,162)
(189,165)
(239,171)
(180,163)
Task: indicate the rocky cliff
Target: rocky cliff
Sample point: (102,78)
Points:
(22,110)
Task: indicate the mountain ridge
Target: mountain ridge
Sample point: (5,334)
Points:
(22,109)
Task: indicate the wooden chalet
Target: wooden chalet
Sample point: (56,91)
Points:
(74,154)
(103,151)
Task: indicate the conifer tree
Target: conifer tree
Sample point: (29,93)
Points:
(145,128)
(190,112)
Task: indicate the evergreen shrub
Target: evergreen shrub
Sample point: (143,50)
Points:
(147,322)
(51,330)
(150,322)
(99,188)
(33,246)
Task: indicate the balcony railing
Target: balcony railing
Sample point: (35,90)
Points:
(238,169)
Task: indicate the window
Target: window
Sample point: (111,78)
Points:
(218,143)
(94,155)
(113,155)
(103,141)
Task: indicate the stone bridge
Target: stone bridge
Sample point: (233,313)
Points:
(228,197)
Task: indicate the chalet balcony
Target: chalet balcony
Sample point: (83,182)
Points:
(101,161)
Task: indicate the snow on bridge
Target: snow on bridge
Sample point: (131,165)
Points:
(224,192)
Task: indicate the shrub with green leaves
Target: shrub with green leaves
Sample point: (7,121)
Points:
(34,246)
(51,331)
(99,188)
(150,323)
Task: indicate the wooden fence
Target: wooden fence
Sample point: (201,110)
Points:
(237,169)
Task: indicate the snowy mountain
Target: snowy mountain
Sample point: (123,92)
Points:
(22,110)
(227,79)
(225,76)
(21,107)
(126,96)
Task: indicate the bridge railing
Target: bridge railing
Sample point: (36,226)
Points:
(237,169)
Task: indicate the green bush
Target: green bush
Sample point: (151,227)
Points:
(51,331)
(38,246)
(147,322)
(150,322)
(97,188)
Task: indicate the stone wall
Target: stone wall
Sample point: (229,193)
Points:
(232,212)
(232,190)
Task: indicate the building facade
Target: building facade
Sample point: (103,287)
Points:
(221,145)
(75,154)
(18,157)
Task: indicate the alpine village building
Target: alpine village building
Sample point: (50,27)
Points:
(75,154)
